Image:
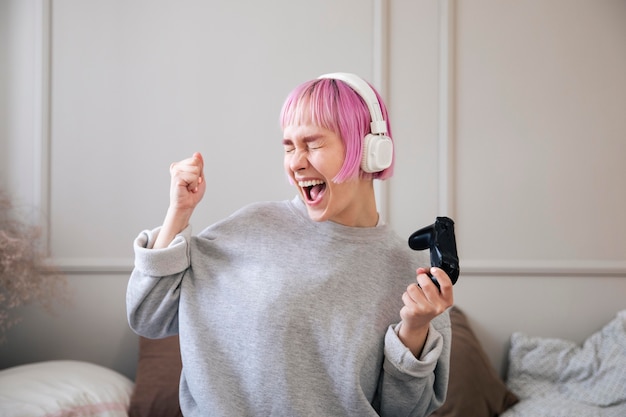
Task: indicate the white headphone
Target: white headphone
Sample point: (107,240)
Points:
(377,146)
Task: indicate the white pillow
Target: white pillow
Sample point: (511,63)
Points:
(556,377)
(63,389)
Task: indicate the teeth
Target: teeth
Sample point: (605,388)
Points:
(310,183)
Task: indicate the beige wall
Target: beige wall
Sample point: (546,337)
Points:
(507,117)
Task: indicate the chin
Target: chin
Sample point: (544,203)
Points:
(315,214)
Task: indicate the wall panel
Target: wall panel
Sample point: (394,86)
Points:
(137,85)
(540,132)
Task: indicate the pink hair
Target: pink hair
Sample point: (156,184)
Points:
(335,106)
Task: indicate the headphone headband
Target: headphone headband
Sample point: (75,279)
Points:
(363,89)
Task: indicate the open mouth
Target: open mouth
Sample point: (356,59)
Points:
(313,189)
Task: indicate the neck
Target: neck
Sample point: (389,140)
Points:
(368,216)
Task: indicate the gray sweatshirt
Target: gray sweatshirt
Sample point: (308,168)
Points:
(279,315)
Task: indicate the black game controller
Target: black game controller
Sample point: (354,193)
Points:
(439,237)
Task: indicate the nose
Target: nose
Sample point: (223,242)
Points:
(298,160)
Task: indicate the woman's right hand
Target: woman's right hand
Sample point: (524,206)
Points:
(187,183)
(187,188)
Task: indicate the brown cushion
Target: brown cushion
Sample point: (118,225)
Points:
(157,379)
(475,388)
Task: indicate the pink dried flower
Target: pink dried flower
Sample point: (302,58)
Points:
(25,277)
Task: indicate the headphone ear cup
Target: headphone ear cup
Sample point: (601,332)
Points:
(377,153)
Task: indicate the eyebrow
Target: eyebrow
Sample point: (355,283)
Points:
(306,139)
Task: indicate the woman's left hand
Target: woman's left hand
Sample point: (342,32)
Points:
(423,301)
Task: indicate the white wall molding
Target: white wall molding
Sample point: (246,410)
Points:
(380,71)
(446,131)
(542,268)
(479,268)
(41,132)
(88,266)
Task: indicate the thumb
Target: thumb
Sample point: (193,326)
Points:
(198,156)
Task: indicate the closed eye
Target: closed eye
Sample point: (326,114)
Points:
(311,142)
(288,145)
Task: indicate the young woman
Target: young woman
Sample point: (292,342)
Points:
(307,307)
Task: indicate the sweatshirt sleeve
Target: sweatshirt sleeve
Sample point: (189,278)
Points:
(413,386)
(153,289)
